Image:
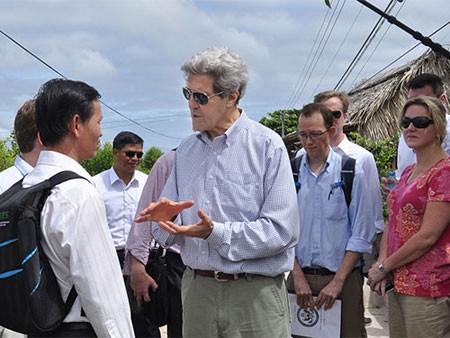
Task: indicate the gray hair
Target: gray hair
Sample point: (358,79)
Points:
(229,70)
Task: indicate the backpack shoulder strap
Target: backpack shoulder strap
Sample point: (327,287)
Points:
(63,176)
(55,180)
(347,176)
(295,166)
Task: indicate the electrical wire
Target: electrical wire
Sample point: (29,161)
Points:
(363,48)
(102,102)
(357,76)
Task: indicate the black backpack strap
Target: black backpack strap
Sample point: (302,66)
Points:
(70,299)
(347,176)
(63,176)
(295,166)
(55,180)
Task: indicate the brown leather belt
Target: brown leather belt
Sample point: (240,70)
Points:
(317,271)
(220,276)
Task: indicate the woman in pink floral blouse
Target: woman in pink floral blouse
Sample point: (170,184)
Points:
(415,248)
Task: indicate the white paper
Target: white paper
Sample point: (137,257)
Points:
(316,323)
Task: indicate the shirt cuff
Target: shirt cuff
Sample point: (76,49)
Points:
(215,238)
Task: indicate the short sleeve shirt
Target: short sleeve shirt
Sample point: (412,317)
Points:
(429,275)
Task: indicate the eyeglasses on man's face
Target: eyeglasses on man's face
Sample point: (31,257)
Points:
(314,135)
(132,154)
(336,113)
(199,97)
(420,122)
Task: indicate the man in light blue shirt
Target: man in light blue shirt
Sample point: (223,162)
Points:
(332,235)
(238,239)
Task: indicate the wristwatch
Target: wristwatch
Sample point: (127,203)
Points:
(381,267)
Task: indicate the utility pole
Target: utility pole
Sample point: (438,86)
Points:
(415,34)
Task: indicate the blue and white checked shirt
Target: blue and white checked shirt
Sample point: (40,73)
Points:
(327,227)
(243,181)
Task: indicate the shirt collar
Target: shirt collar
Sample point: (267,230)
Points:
(343,146)
(23,166)
(113,177)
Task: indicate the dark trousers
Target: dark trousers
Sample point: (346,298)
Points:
(142,326)
(175,270)
(69,330)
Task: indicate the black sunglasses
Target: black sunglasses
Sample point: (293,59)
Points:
(336,114)
(418,122)
(131,154)
(199,97)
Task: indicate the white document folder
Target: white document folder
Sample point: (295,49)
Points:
(316,323)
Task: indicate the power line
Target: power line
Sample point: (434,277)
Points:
(317,53)
(64,77)
(408,51)
(338,50)
(362,49)
(376,47)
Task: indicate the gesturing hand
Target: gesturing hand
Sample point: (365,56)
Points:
(164,210)
(201,229)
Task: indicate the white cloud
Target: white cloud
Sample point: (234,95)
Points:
(131,51)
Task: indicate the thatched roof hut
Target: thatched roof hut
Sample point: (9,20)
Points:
(376,102)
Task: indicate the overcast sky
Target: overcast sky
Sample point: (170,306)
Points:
(131,52)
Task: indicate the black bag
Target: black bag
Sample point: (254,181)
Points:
(30,299)
(158,307)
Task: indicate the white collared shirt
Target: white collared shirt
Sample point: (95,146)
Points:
(76,240)
(13,174)
(121,201)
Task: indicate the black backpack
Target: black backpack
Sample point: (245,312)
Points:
(30,299)
(347,175)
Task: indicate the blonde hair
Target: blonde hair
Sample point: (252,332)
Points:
(436,110)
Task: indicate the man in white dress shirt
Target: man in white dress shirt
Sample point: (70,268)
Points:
(75,235)
(29,145)
(121,187)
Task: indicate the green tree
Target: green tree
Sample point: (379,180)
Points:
(8,152)
(101,162)
(150,157)
(274,121)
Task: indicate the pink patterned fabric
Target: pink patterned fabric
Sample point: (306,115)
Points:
(428,276)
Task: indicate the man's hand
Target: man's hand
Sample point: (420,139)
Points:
(329,293)
(305,298)
(164,210)
(140,281)
(201,229)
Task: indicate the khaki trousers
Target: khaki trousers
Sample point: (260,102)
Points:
(256,307)
(412,316)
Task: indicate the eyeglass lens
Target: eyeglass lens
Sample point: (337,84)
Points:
(131,154)
(200,98)
(418,122)
(313,135)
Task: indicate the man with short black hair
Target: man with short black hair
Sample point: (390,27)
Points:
(121,187)
(75,234)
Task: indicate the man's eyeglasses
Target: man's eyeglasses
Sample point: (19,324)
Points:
(131,154)
(336,114)
(314,135)
(420,122)
(199,97)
